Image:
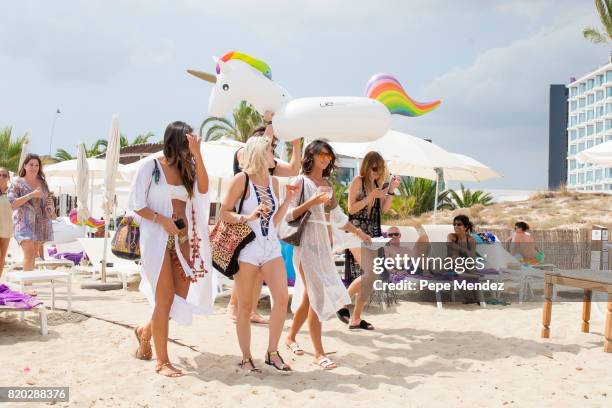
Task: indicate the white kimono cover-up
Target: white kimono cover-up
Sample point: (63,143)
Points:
(326,292)
(153,240)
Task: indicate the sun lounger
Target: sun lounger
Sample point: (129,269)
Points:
(15,259)
(94,248)
(40,309)
(20,278)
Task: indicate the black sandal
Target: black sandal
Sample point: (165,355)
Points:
(253,369)
(362,325)
(344,315)
(282,367)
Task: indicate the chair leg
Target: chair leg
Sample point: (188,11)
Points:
(44,330)
(52,294)
(482,299)
(438,300)
(69,292)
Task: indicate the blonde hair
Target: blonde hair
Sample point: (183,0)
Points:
(370,160)
(253,158)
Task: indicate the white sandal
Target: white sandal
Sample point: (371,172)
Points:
(325,363)
(295,349)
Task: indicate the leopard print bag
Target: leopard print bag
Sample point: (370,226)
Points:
(227,240)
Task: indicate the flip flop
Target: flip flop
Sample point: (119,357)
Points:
(295,349)
(363,325)
(344,315)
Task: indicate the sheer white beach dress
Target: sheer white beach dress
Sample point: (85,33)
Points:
(326,292)
(146,192)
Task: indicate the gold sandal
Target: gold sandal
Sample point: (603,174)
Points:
(175,374)
(138,353)
(249,361)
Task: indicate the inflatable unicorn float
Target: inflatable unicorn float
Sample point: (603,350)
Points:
(336,118)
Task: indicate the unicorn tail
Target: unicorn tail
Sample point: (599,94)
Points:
(388,91)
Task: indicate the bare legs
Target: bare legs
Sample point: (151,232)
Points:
(30,250)
(357,289)
(305,312)
(4,243)
(245,279)
(169,283)
(255,317)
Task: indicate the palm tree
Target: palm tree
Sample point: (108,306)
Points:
(604,8)
(469,198)
(100,145)
(10,150)
(246,119)
(417,195)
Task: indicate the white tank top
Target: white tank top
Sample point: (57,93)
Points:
(263,226)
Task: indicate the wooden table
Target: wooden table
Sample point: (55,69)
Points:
(588,280)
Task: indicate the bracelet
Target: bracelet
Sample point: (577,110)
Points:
(268,122)
(155,218)
(390,194)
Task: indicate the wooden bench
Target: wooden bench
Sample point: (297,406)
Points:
(588,280)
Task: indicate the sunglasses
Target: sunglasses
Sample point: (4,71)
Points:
(458,224)
(394,234)
(4,175)
(325,155)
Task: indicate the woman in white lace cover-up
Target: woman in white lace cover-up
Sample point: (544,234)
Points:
(319,291)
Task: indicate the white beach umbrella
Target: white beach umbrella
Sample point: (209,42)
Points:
(110,177)
(408,155)
(24,151)
(68,168)
(405,154)
(600,154)
(474,170)
(82,184)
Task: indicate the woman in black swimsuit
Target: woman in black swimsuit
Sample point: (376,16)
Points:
(460,243)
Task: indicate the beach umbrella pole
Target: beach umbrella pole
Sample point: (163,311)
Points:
(435,209)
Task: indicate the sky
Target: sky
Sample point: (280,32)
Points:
(491,64)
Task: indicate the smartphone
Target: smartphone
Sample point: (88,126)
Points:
(180,224)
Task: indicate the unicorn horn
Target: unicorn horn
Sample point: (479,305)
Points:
(203,75)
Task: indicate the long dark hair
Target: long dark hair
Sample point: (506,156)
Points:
(40,175)
(176,150)
(469,227)
(311,151)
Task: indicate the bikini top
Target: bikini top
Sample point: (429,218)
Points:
(178,192)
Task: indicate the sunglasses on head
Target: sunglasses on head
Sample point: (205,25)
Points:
(394,234)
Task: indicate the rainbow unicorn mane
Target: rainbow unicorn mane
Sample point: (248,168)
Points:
(254,62)
(388,91)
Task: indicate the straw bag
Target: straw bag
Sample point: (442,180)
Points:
(296,227)
(227,240)
(126,242)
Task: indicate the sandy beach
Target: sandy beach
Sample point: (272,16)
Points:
(418,356)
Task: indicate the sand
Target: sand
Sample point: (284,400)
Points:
(417,357)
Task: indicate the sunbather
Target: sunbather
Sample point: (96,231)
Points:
(523,244)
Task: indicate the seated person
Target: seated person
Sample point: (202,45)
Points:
(461,244)
(394,246)
(523,244)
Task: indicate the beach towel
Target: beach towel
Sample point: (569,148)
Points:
(16,299)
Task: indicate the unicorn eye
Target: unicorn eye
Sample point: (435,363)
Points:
(225,87)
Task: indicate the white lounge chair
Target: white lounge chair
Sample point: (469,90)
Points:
(20,278)
(94,248)
(40,309)
(15,259)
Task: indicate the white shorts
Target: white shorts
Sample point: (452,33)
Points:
(261,250)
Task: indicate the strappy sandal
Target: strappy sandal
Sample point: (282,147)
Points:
(253,369)
(282,367)
(138,353)
(295,349)
(175,374)
(344,315)
(363,325)
(325,363)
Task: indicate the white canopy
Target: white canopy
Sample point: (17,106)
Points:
(600,154)
(68,168)
(476,171)
(406,155)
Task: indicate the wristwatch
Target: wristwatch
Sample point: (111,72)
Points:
(390,194)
